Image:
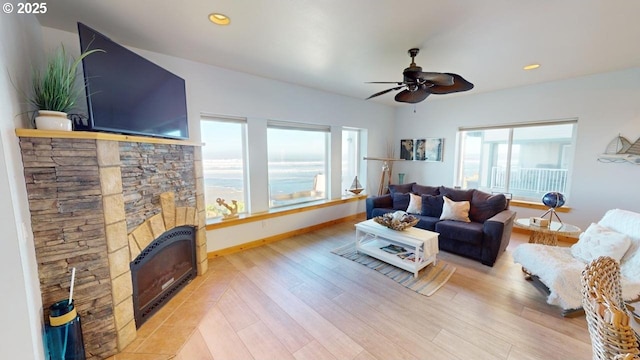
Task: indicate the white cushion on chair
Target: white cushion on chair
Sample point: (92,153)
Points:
(599,241)
(557,269)
(561,273)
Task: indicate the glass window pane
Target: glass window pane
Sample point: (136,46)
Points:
(350,157)
(536,160)
(224,165)
(297,165)
(541,165)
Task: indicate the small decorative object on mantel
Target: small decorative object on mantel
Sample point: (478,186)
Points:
(233,210)
(356,188)
(398,220)
(621,150)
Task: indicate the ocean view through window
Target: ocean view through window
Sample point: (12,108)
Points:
(223,163)
(297,164)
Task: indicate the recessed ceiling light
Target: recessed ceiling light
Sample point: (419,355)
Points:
(531,67)
(219,19)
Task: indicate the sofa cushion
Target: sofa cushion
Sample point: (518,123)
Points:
(380,211)
(400,201)
(461,231)
(401,188)
(455,210)
(432,205)
(485,206)
(599,241)
(456,194)
(415,204)
(425,190)
(427,222)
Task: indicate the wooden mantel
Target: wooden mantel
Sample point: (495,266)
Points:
(35,133)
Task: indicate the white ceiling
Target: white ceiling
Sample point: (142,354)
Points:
(338,45)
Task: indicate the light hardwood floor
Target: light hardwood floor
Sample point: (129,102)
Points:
(293,299)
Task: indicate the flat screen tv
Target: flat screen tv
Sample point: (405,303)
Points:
(129,94)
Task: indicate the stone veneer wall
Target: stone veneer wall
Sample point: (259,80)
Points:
(90,199)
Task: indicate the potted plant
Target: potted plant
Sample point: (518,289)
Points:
(55,90)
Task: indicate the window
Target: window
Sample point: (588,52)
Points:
(350,157)
(223,162)
(297,163)
(526,160)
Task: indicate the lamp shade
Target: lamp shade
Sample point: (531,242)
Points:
(553,199)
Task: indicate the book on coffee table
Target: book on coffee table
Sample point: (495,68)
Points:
(393,249)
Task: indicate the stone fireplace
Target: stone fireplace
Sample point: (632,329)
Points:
(97,201)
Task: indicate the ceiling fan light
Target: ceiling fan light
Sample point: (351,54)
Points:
(219,19)
(531,67)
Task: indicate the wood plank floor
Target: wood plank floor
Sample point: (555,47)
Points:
(293,299)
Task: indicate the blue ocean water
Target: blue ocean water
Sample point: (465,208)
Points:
(284,177)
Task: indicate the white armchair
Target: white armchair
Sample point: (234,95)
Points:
(558,270)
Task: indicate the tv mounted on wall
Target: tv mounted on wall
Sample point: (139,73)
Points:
(129,94)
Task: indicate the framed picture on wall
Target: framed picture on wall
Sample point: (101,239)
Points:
(429,149)
(406,149)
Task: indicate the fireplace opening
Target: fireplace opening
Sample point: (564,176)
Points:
(161,270)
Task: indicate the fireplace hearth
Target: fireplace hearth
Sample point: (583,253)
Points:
(161,270)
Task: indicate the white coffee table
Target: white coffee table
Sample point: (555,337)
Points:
(371,236)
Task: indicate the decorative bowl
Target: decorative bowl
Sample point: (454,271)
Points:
(396,221)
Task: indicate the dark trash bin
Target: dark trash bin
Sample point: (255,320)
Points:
(64,332)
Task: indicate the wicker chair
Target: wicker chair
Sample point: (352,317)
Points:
(611,335)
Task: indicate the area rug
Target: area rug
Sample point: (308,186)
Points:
(429,279)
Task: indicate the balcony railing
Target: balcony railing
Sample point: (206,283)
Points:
(530,181)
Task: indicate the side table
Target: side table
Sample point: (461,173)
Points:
(547,235)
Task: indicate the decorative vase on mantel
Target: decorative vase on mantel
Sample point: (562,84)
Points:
(53,120)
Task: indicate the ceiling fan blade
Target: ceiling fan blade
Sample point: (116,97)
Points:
(436,78)
(384,82)
(412,97)
(384,92)
(459,84)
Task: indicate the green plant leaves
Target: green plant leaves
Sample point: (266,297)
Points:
(54,87)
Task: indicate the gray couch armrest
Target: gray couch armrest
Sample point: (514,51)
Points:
(497,233)
(384,201)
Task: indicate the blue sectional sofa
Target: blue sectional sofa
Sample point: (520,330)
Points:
(484,238)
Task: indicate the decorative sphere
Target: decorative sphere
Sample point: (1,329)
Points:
(553,199)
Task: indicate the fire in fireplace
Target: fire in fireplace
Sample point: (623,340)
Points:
(161,270)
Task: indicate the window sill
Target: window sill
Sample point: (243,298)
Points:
(536,205)
(282,211)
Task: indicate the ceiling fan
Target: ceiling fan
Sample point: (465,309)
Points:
(418,84)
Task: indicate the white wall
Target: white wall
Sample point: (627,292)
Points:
(216,91)
(21,332)
(605,104)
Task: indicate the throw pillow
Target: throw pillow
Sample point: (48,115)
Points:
(455,210)
(400,201)
(485,206)
(424,190)
(432,205)
(400,188)
(415,204)
(599,241)
(456,194)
